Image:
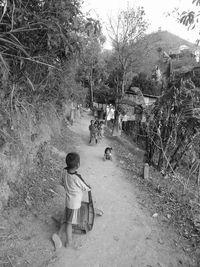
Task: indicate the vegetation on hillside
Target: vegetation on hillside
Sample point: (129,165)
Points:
(146,84)
(41,46)
(39,41)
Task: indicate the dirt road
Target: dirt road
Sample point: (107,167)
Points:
(126,235)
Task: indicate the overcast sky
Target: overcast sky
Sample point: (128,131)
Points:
(156,11)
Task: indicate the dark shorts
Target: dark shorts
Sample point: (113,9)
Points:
(72,216)
(93,134)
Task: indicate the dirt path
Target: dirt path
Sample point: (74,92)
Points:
(126,235)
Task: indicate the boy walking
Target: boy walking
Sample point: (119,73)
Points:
(74,187)
(93,131)
(101,129)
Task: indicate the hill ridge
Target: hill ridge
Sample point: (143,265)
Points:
(152,42)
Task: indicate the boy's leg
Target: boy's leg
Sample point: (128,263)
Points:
(95,137)
(68,234)
(57,238)
(62,230)
(56,241)
(90,137)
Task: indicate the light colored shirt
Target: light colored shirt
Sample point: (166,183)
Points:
(74,189)
(125,118)
(110,113)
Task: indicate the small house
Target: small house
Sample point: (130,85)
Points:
(149,99)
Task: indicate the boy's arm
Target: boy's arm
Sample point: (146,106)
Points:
(82,185)
(62,179)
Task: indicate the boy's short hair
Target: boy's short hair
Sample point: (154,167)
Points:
(72,160)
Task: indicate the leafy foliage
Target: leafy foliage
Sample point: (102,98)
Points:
(90,71)
(190,18)
(146,85)
(174,125)
(37,40)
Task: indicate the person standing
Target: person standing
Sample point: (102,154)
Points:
(124,122)
(78,112)
(72,112)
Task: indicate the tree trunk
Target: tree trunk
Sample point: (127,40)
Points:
(160,160)
(123,84)
(116,127)
(91,91)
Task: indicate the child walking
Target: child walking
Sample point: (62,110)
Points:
(74,187)
(101,129)
(93,131)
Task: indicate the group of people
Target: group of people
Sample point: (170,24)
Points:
(74,186)
(96,129)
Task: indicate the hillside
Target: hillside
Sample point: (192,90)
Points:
(161,39)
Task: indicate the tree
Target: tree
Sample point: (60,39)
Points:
(114,75)
(37,38)
(38,41)
(172,124)
(91,65)
(146,85)
(125,33)
(190,18)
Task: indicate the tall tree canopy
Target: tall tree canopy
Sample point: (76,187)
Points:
(91,64)
(125,32)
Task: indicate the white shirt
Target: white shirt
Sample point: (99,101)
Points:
(125,118)
(74,188)
(112,113)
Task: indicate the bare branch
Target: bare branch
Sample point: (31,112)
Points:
(4,9)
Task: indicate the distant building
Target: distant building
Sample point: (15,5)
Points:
(181,51)
(181,62)
(149,99)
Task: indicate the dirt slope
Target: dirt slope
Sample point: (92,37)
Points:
(127,234)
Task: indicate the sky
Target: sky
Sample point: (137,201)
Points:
(156,13)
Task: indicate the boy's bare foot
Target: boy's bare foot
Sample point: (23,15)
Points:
(57,241)
(75,246)
(98,212)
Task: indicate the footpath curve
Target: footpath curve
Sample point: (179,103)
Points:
(126,235)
